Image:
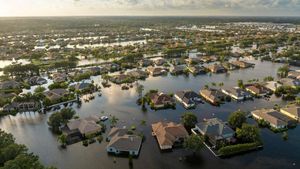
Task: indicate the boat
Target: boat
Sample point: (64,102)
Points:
(103,118)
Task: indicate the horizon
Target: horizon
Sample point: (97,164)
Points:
(46,8)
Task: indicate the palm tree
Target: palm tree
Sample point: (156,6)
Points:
(114,120)
(140,89)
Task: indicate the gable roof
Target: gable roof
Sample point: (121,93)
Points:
(293,110)
(215,128)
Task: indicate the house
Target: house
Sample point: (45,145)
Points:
(21,106)
(156,71)
(216,131)
(55,94)
(145,62)
(216,68)
(276,119)
(177,61)
(179,69)
(138,74)
(294,74)
(121,78)
(237,93)
(161,100)
(169,134)
(59,77)
(272,85)
(242,64)
(257,89)
(82,86)
(289,82)
(160,62)
(292,111)
(197,70)
(188,98)
(76,129)
(214,96)
(9,84)
(36,80)
(193,61)
(207,59)
(121,141)
(229,66)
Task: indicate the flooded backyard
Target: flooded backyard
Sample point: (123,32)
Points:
(32,130)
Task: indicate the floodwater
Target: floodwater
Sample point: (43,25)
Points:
(31,129)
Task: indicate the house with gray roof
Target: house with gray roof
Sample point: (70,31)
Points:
(121,141)
(216,130)
(188,98)
(237,93)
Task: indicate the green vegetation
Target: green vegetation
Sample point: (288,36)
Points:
(16,156)
(283,71)
(189,120)
(238,148)
(248,133)
(58,86)
(57,119)
(193,143)
(237,119)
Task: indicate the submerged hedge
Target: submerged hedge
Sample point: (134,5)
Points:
(238,148)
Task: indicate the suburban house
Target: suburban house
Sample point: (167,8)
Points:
(169,134)
(161,100)
(214,96)
(217,68)
(216,131)
(292,111)
(81,86)
(76,129)
(59,77)
(289,82)
(179,69)
(177,61)
(242,64)
(160,62)
(197,69)
(36,80)
(229,66)
(145,62)
(156,71)
(121,78)
(188,98)
(138,74)
(10,84)
(21,106)
(257,89)
(55,94)
(121,141)
(272,85)
(273,117)
(294,74)
(193,61)
(237,93)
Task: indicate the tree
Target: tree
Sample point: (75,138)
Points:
(114,120)
(62,139)
(248,133)
(240,84)
(67,114)
(24,161)
(283,71)
(189,120)
(236,119)
(193,143)
(55,121)
(11,151)
(140,89)
(39,89)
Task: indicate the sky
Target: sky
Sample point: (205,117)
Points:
(149,7)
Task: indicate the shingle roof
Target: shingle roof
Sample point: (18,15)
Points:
(214,127)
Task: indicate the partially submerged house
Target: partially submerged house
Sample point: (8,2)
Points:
(36,80)
(77,129)
(9,84)
(197,69)
(276,119)
(272,85)
(121,141)
(138,74)
(215,130)
(161,100)
(292,111)
(156,71)
(21,106)
(237,93)
(55,94)
(59,77)
(289,82)
(214,96)
(188,98)
(242,64)
(216,68)
(257,89)
(169,134)
(179,69)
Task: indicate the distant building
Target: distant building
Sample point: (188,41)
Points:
(289,82)
(179,69)
(55,94)
(242,64)
(161,100)
(138,74)
(237,93)
(10,84)
(214,96)
(169,134)
(272,85)
(257,89)
(121,141)
(217,68)
(156,71)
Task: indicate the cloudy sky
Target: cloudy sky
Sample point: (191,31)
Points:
(149,7)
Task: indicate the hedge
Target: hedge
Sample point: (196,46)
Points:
(238,148)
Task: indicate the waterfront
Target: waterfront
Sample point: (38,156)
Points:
(32,130)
